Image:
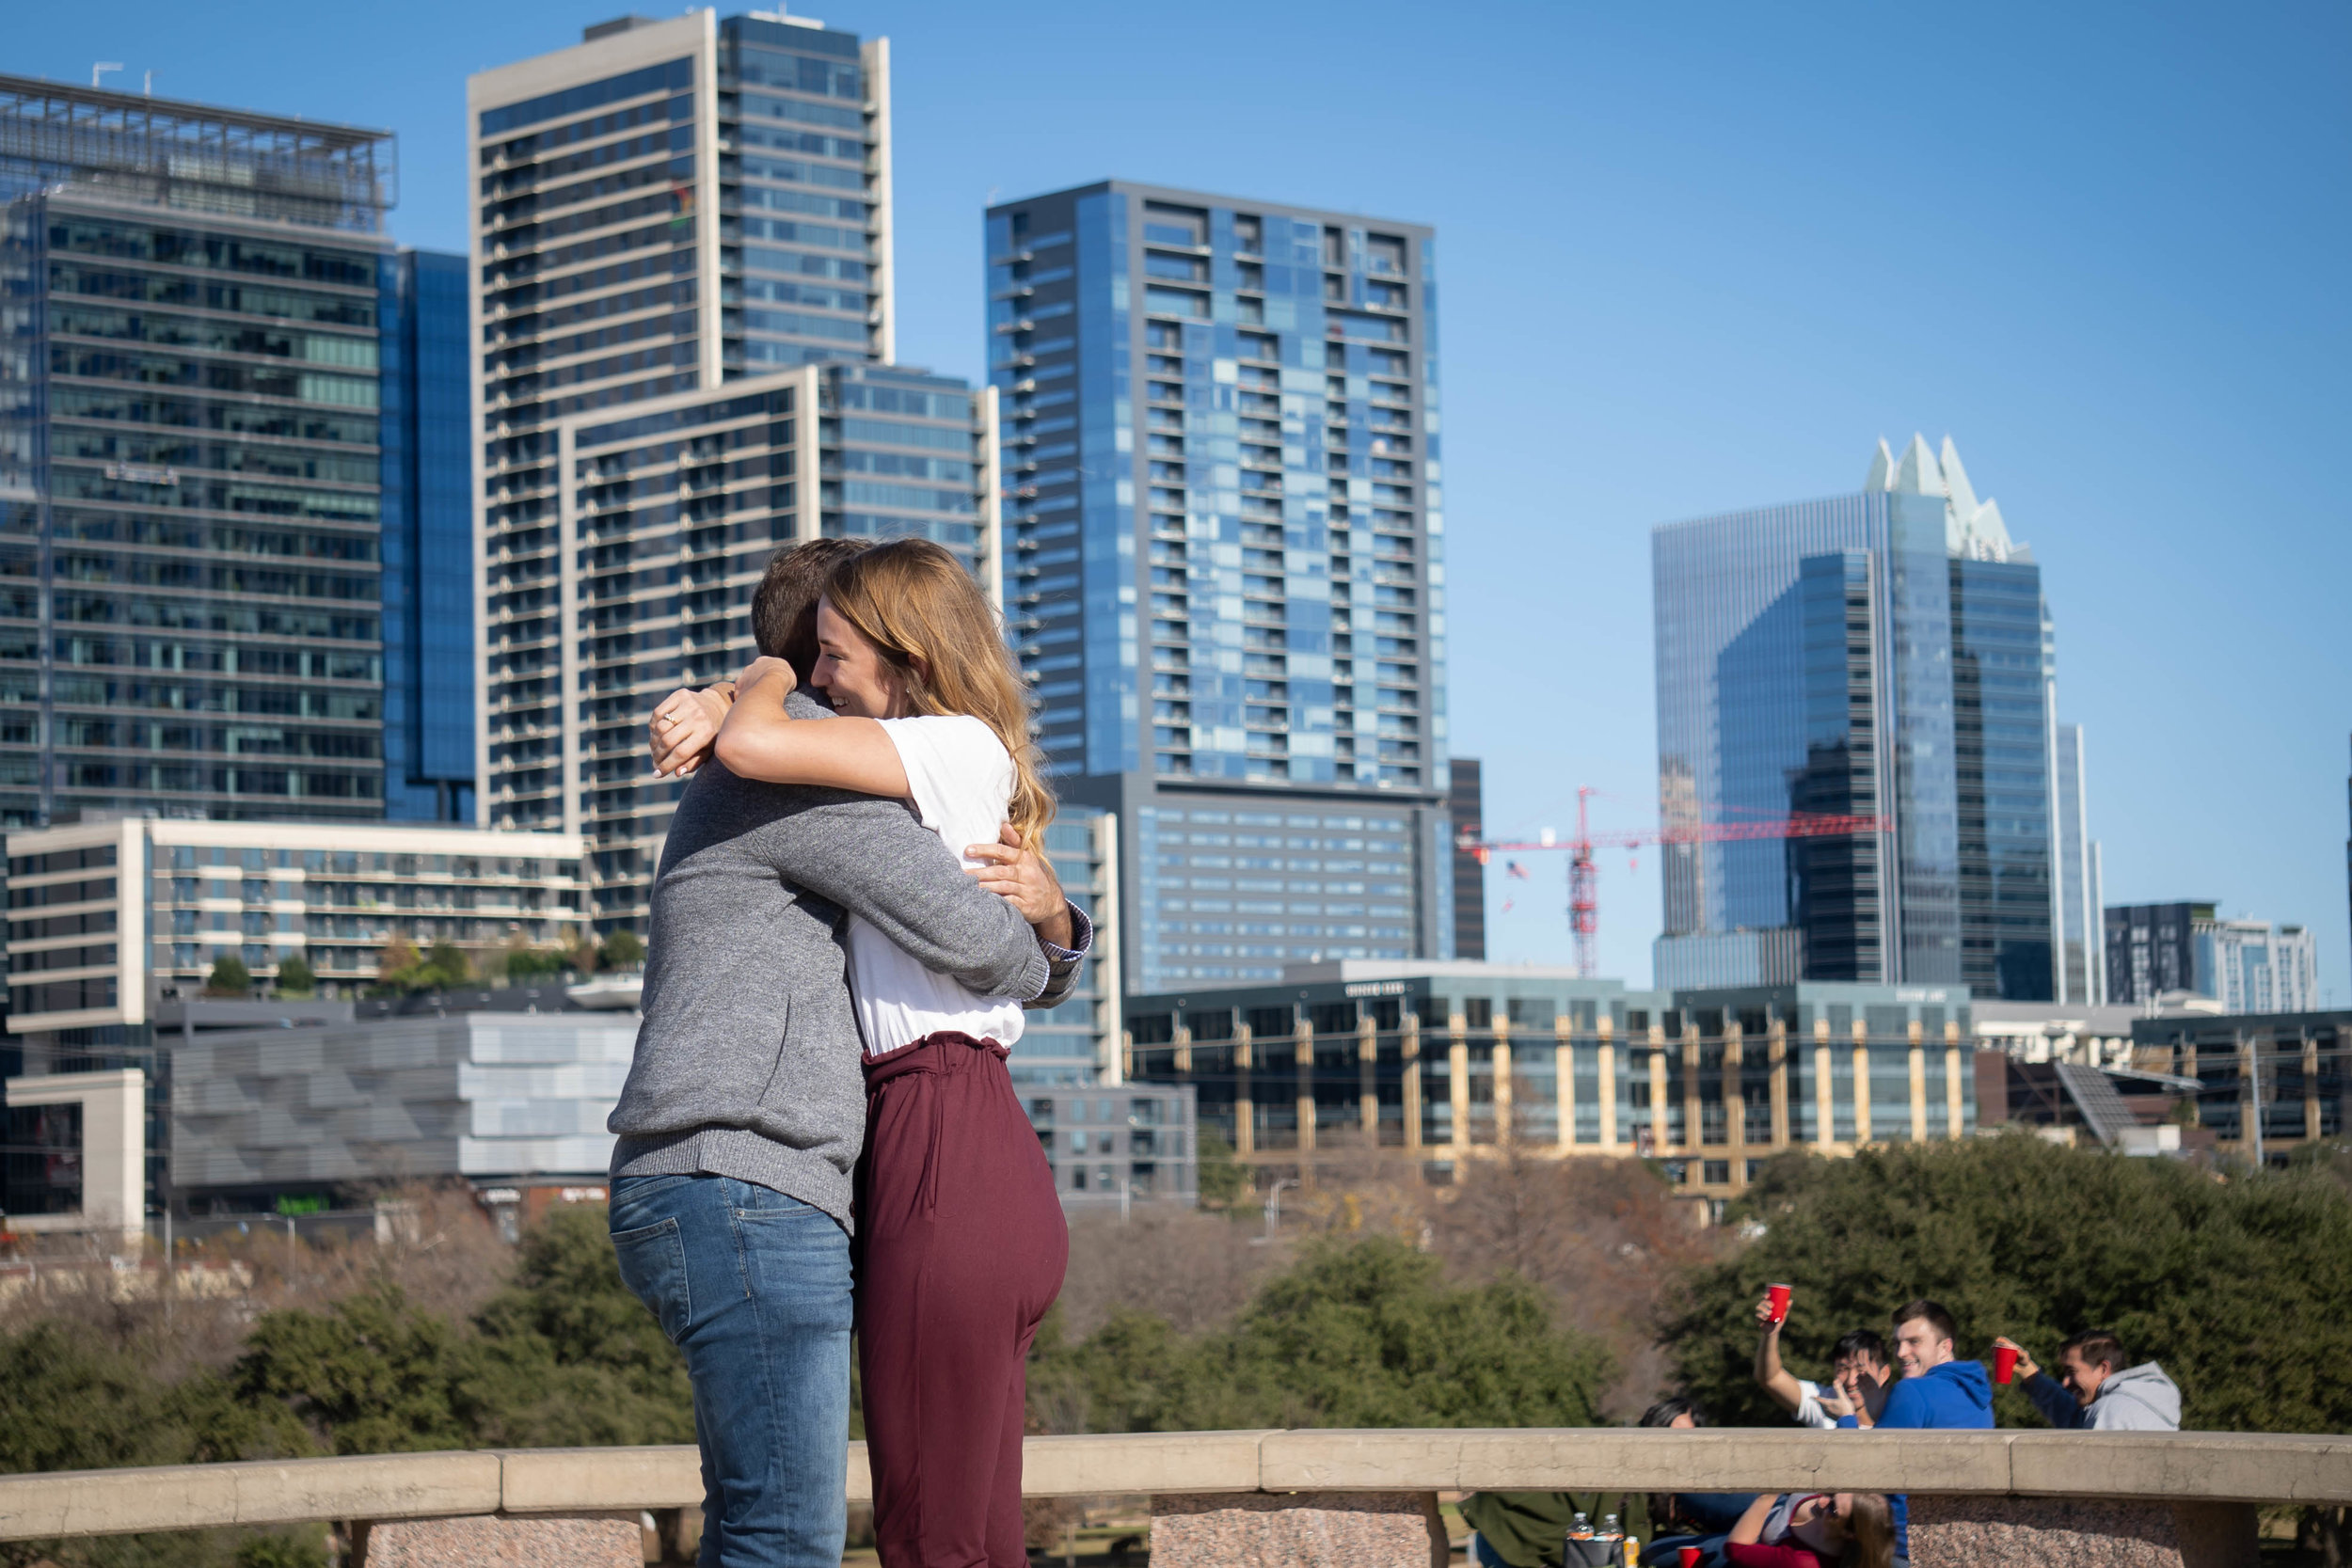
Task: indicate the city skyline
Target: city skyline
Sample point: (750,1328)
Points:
(2065,352)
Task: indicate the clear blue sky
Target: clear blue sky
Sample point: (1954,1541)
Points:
(1691,259)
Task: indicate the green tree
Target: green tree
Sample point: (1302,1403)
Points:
(2235,1282)
(294,978)
(370,1374)
(568,1355)
(1223,1179)
(70,1401)
(230,978)
(623,950)
(1354,1335)
(524,963)
(445,967)
(394,961)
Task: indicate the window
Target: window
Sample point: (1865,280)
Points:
(1269,1022)
(1718,1173)
(1478,1012)
(1176,302)
(1191,269)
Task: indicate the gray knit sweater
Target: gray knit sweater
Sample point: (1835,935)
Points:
(747,1060)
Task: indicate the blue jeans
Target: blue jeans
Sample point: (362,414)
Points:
(754,1288)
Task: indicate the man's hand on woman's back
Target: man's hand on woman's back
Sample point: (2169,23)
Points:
(1024,879)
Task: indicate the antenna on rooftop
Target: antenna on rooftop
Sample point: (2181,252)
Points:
(100,66)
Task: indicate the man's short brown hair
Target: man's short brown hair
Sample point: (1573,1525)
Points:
(784,607)
(1938,1319)
(2098,1347)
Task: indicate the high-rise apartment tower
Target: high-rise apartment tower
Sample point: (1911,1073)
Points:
(1224,564)
(1886,654)
(190,458)
(677,221)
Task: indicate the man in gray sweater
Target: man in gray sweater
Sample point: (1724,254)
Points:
(2097,1389)
(744,1108)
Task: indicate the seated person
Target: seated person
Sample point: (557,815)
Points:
(1524,1529)
(1814,1529)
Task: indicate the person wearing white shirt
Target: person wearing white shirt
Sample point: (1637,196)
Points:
(1860,1357)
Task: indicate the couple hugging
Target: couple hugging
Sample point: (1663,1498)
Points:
(852,909)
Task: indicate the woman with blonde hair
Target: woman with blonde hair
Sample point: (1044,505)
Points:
(960,1243)
(1814,1529)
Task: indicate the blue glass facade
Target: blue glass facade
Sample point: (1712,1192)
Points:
(1224,573)
(189,498)
(803,233)
(429,649)
(1885,654)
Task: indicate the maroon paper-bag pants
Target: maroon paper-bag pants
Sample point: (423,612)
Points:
(961,1248)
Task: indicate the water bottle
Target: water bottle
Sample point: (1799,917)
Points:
(1581,1528)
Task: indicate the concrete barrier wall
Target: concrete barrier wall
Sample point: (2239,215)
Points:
(2166,1468)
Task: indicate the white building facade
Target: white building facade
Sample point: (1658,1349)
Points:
(106,916)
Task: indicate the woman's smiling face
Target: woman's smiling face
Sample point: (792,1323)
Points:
(851,673)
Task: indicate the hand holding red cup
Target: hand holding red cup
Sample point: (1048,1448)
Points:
(1778,1295)
(2006,1356)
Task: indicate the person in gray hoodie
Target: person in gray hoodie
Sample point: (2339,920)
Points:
(2096,1390)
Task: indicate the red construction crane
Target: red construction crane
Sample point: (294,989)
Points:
(1583,887)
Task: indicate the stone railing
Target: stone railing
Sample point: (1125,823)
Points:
(1367,1499)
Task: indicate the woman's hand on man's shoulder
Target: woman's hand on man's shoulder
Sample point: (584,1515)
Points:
(683,727)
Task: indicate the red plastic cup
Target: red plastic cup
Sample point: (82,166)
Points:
(1778,1296)
(1690,1556)
(2004,1363)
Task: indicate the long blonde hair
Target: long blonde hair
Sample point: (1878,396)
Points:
(1869,1531)
(912,600)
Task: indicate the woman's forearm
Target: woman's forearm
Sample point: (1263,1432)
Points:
(759,740)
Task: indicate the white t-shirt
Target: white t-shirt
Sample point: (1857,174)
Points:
(1809,1411)
(960,779)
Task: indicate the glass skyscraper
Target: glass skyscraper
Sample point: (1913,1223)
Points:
(2081,972)
(679,222)
(1224,567)
(1886,654)
(428,540)
(191,488)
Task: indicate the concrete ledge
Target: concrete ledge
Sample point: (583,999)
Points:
(2219,1466)
(195,1496)
(1632,1459)
(2159,1467)
(1143,1462)
(566,1481)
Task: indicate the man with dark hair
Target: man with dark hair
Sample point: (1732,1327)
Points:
(744,1109)
(1937,1390)
(784,605)
(2098,1389)
(1859,1354)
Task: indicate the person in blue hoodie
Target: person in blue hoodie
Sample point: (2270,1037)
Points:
(1937,1389)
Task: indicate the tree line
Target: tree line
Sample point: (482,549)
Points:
(2234,1279)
